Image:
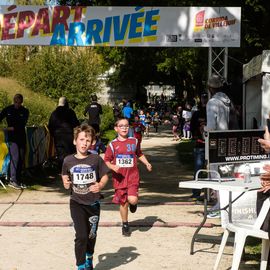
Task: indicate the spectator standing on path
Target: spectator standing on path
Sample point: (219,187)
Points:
(217,113)
(16,116)
(94,111)
(218,107)
(197,125)
(61,124)
(85,175)
(127,111)
(121,157)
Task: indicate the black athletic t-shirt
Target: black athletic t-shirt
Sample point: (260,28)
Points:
(16,118)
(83,173)
(94,110)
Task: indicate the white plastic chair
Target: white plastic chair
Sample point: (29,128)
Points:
(241,232)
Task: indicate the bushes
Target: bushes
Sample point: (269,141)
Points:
(52,72)
(55,71)
(107,119)
(39,106)
(4,100)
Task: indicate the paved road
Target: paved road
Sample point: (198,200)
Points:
(36,230)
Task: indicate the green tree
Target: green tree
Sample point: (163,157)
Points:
(73,72)
(183,66)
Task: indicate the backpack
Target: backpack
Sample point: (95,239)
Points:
(233,118)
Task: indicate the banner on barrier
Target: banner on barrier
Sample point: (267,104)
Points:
(39,148)
(243,209)
(120,26)
(4,153)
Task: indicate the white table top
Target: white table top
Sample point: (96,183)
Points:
(236,185)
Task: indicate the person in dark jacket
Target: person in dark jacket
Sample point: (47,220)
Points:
(61,124)
(197,124)
(94,111)
(16,116)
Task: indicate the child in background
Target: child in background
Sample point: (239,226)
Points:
(85,175)
(187,114)
(97,146)
(121,157)
(156,121)
(142,117)
(175,126)
(138,128)
(148,121)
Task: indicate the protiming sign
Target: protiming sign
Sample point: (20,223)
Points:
(235,146)
(120,26)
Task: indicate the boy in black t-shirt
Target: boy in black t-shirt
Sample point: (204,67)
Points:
(85,174)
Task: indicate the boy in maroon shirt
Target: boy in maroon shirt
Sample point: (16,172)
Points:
(121,157)
(139,128)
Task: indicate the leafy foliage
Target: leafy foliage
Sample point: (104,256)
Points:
(55,71)
(107,118)
(39,106)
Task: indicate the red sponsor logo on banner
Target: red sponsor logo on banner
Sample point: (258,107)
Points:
(199,19)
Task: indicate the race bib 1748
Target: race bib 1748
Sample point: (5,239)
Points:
(83,175)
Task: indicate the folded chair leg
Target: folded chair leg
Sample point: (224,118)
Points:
(264,255)
(221,248)
(239,243)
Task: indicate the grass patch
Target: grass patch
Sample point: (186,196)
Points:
(40,106)
(253,249)
(37,177)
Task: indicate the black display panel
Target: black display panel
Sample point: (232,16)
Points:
(232,146)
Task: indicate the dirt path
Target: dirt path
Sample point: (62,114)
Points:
(36,231)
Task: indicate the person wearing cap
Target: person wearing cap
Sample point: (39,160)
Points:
(218,107)
(94,110)
(16,116)
(218,116)
(61,124)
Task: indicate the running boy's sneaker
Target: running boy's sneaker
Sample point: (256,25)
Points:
(14,185)
(23,186)
(126,230)
(81,267)
(133,208)
(215,214)
(89,265)
(89,262)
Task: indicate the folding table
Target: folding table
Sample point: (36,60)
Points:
(229,184)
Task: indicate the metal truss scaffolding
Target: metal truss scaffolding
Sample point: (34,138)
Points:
(218,62)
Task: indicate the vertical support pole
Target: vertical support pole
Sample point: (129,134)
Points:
(225,61)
